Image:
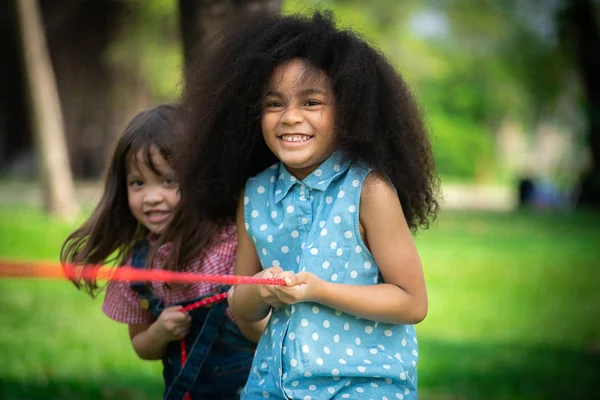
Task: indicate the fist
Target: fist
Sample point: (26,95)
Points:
(268,293)
(173,324)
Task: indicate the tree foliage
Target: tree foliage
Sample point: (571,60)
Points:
(473,65)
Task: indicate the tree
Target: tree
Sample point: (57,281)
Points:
(45,113)
(96,50)
(201,18)
(581,25)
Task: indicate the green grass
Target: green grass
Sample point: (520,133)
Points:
(514,307)
(55,343)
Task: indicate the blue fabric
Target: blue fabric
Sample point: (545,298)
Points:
(310,351)
(218,355)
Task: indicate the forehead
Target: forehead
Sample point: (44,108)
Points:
(146,158)
(298,74)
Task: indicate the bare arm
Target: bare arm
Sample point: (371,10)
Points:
(251,330)
(248,304)
(402,299)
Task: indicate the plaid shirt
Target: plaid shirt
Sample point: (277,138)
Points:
(122,304)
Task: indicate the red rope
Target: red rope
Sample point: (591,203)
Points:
(16,269)
(183,358)
(200,303)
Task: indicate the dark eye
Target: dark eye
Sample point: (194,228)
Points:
(136,183)
(273,104)
(169,182)
(312,103)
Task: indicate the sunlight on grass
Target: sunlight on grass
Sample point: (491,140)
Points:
(54,340)
(512,304)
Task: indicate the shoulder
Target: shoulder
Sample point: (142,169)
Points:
(377,186)
(225,244)
(380,209)
(228,235)
(219,258)
(378,199)
(122,304)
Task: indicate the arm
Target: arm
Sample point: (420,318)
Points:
(144,342)
(251,303)
(402,299)
(149,340)
(251,330)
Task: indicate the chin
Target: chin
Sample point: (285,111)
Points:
(157,230)
(296,161)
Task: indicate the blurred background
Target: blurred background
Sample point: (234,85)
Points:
(511,95)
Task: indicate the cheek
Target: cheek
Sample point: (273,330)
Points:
(130,197)
(326,127)
(174,197)
(268,134)
(268,123)
(330,123)
(329,128)
(134,200)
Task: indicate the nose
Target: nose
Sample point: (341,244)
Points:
(292,116)
(152,196)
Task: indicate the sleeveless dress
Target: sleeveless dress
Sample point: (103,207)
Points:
(308,350)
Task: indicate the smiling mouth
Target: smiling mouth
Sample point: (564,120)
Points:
(295,138)
(157,216)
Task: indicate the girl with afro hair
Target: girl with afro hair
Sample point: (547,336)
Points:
(308,138)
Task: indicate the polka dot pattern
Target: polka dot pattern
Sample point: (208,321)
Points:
(309,351)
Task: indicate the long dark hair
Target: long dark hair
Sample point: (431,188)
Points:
(110,232)
(378,119)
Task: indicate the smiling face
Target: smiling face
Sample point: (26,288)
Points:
(298,117)
(152,197)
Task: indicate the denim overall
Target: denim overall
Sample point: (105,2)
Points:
(218,355)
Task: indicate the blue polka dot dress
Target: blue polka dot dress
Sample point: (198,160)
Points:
(310,351)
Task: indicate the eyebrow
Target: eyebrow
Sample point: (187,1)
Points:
(135,172)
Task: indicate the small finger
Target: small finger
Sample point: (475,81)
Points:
(181,317)
(275,270)
(287,276)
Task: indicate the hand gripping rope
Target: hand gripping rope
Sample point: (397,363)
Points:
(16,269)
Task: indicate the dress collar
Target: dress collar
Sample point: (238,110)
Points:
(319,179)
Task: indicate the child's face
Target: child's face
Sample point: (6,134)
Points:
(152,197)
(298,117)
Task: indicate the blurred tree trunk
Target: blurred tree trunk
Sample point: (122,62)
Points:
(94,47)
(45,113)
(201,18)
(581,24)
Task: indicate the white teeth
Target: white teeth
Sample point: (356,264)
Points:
(295,138)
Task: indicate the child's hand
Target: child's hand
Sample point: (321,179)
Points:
(172,324)
(230,296)
(303,286)
(268,293)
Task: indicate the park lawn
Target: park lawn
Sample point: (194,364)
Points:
(55,343)
(514,306)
